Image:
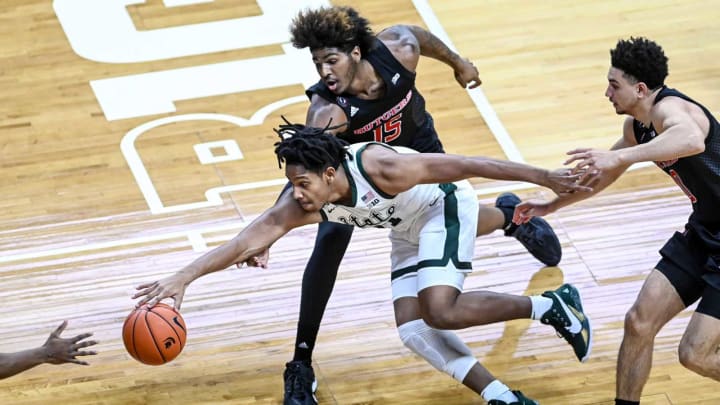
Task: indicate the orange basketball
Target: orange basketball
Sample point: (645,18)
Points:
(154,335)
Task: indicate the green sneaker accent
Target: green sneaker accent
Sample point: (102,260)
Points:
(522,400)
(567,312)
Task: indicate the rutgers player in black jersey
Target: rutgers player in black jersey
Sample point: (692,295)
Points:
(683,138)
(367,87)
(382,105)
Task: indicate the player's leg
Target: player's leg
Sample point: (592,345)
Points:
(446,246)
(443,308)
(490,219)
(699,346)
(318,282)
(441,348)
(675,284)
(656,304)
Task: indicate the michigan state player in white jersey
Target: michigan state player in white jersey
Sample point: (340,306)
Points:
(433,223)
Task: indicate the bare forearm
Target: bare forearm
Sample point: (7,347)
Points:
(428,168)
(217,259)
(505,170)
(432,47)
(661,149)
(14,363)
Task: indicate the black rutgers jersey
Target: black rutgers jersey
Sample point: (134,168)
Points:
(698,175)
(398,118)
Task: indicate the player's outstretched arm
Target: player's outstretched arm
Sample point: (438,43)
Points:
(526,210)
(56,350)
(590,176)
(408,42)
(394,172)
(252,241)
(680,135)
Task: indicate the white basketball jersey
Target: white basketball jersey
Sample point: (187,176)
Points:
(371,207)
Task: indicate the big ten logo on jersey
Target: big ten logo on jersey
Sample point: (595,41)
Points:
(105,32)
(370,199)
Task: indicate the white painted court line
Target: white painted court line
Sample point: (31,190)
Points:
(213,198)
(194,238)
(178,3)
(477,95)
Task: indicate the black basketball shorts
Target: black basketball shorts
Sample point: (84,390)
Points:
(692,265)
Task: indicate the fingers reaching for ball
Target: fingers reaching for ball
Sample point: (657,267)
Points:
(152,293)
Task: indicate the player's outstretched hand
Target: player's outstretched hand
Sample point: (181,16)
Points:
(169,287)
(592,162)
(531,208)
(260,260)
(566,181)
(65,350)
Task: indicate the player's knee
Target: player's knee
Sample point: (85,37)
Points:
(440,312)
(689,358)
(440,318)
(694,357)
(442,349)
(638,325)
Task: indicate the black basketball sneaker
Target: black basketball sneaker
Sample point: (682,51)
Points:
(536,235)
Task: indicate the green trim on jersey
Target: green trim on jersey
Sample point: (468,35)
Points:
(448,188)
(351,182)
(452,239)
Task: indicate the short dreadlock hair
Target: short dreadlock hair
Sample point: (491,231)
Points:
(313,148)
(332,27)
(642,60)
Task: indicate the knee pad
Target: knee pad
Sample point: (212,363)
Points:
(441,348)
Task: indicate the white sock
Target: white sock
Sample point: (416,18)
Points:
(498,390)
(540,305)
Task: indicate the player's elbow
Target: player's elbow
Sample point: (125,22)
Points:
(696,144)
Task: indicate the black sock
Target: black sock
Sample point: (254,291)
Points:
(624,402)
(508,226)
(318,281)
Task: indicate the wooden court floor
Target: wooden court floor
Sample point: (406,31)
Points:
(136,134)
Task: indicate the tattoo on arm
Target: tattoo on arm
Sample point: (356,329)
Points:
(431,46)
(402,34)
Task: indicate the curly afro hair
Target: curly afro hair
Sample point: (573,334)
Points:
(332,27)
(642,60)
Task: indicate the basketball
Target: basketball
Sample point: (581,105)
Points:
(154,335)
